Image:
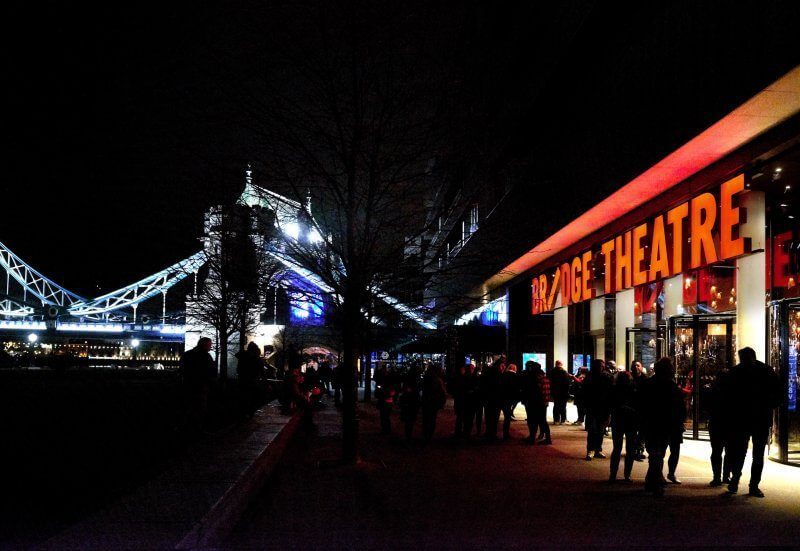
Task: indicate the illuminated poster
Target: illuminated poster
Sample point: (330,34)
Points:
(792,386)
(539,357)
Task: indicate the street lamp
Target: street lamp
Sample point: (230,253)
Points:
(134,345)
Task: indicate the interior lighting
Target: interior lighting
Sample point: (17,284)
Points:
(33,337)
(135,343)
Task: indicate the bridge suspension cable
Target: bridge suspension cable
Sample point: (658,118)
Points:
(142,290)
(34,283)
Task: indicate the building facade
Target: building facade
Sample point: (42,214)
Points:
(696,258)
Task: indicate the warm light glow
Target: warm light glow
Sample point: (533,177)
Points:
(717,329)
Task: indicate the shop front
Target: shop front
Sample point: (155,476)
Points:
(706,267)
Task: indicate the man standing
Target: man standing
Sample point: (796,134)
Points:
(663,416)
(559,389)
(753,390)
(597,394)
(198,373)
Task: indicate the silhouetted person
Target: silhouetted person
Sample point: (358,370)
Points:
(638,376)
(434,397)
(472,400)
(543,385)
(509,396)
(531,397)
(250,372)
(458,390)
(298,396)
(623,424)
(198,372)
(719,429)
(596,389)
(577,392)
(490,383)
(384,396)
(409,406)
(753,393)
(663,413)
(559,390)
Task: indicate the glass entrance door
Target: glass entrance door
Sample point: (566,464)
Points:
(702,346)
(641,344)
(784,350)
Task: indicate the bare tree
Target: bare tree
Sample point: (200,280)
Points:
(356,117)
(234,280)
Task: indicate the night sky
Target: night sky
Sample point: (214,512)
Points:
(121,124)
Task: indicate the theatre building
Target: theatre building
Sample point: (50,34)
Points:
(694,259)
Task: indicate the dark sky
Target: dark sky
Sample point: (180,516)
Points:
(120,127)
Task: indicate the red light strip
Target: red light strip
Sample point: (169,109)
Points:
(773,105)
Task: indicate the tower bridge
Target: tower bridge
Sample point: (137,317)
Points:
(32,304)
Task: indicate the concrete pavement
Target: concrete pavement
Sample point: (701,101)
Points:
(479,495)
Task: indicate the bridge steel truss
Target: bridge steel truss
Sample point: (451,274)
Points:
(36,288)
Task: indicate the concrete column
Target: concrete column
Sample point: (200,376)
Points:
(751,314)
(561,335)
(751,279)
(673,296)
(597,322)
(625,318)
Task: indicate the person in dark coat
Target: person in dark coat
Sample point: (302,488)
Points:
(577,393)
(753,394)
(480,400)
(472,400)
(663,414)
(385,393)
(638,376)
(198,373)
(458,390)
(509,396)
(719,430)
(250,372)
(434,397)
(409,406)
(624,422)
(543,385)
(596,390)
(559,391)
(531,397)
(491,393)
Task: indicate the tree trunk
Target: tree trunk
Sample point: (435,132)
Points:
(348,370)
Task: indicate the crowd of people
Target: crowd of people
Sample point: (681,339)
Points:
(640,411)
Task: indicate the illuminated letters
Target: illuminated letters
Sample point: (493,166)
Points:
(608,248)
(659,260)
(729,246)
(566,281)
(675,218)
(623,261)
(588,279)
(639,274)
(704,215)
(576,279)
(687,236)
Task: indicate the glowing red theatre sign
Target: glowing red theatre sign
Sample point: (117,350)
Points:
(696,233)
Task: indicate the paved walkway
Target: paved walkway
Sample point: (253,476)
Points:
(478,495)
(189,504)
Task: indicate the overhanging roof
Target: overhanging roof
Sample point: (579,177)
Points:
(773,105)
